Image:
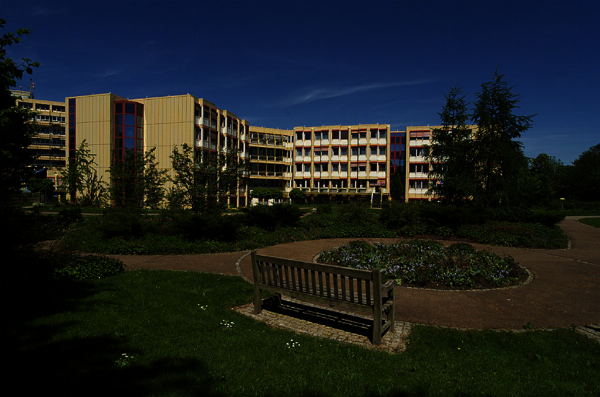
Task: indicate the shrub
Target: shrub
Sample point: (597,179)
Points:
(88,267)
(70,214)
(397,214)
(271,217)
(207,226)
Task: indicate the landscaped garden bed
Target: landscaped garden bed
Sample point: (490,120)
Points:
(428,264)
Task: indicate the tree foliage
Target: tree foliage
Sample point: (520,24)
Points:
(488,166)
(450,152)
(297,195)
(81,180)
(544,179)
(500,164)
(583,178)
(204,184)
(16,128)
(137,181)
(264,193)
(397,185)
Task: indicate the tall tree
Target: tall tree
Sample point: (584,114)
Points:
(584,175)
(204,184)
(499,163)
(81,179)
(450,152)
(137,181)
(16,128)
(397,185)
(544,179)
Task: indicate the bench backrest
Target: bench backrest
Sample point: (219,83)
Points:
(337,285)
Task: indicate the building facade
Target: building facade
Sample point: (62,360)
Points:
(49,142)
(342,162)
(328,163)
(271,152)
(111,125)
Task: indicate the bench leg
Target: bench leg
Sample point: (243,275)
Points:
(257,301)
(377,331)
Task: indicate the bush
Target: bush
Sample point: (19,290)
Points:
(207,226)
(397,214)
(70,214)
(89,267)
(271,217)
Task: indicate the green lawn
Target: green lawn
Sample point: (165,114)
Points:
(167,333)
(591,221)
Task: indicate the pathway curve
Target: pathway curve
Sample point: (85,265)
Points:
(565,290)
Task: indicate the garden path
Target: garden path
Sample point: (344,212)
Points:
(564,292)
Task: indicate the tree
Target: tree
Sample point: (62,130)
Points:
(397,185)
(297,195)
(584,175)
(204,183)
(81,179)
(544,179)
(451,169)
(499,163)
(137,181)
(16,128)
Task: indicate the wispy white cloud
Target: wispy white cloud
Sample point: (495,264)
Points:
(112,72)
(43,11)
(316,94)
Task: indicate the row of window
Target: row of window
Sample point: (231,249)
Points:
(341,167)
(52,131)
(42,107)
(341,151)
(323,135)
(54,119)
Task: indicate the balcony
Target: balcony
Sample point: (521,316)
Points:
(417,159)
(419,175)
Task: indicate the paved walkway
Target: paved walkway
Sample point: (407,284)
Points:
(565,290)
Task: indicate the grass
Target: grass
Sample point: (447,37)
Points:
(591,221)
(160,333)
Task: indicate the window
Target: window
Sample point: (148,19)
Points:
(335,151)
(373,150)
(335,167)
(344,151)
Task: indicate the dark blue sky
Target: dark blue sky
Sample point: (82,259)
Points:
(283,63)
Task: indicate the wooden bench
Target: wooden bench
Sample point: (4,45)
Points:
(336,286)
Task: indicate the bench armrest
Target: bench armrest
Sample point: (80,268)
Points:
(388,286)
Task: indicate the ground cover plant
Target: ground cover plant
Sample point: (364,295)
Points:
(429,264)
(164,333)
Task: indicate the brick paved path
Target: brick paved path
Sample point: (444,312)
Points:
(565,290)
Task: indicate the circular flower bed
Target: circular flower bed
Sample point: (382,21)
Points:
(428,264)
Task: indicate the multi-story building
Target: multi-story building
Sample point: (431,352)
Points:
(337,162)
(110,125)
(271,158)
(48,143)
(342,162)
